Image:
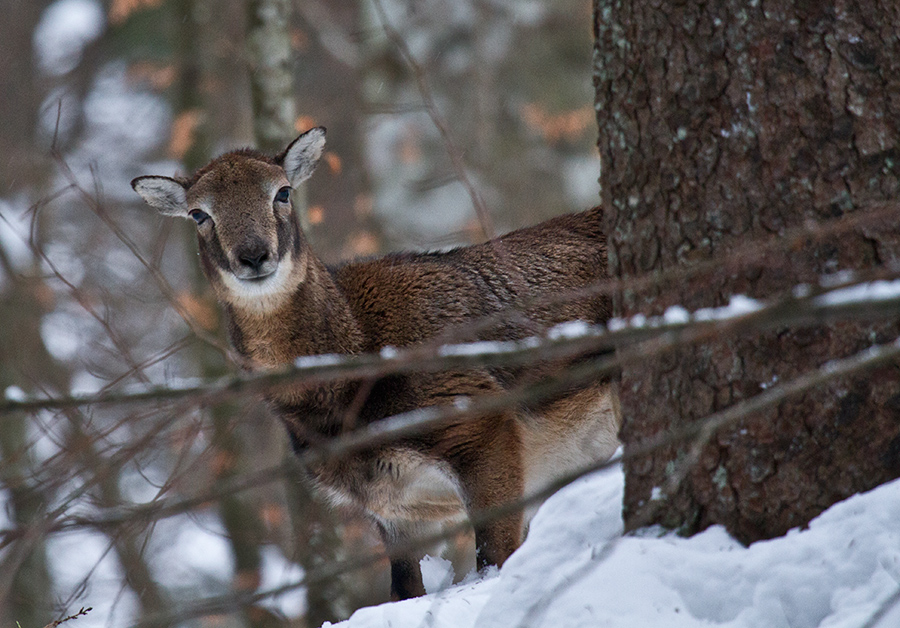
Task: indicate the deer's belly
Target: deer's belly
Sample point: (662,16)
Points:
(397,484)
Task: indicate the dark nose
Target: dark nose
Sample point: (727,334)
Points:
(253,257)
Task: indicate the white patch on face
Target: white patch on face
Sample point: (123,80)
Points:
(262,296)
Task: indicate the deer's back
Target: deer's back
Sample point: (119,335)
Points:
(525,280)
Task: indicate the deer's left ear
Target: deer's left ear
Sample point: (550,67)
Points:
(300,158)
(163,193)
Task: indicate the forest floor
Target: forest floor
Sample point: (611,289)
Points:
(577,569)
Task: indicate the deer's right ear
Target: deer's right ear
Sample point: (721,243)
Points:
(163,193)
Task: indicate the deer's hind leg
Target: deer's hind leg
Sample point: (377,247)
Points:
(411,496)
(486,455)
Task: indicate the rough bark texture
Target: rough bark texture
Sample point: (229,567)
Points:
(25,577)
(21,91)
(269,54)
(722,123)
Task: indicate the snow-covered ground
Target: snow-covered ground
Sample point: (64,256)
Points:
(576,569)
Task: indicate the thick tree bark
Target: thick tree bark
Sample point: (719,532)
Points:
(21,91)
(272,86)
(722,123)
(25,579)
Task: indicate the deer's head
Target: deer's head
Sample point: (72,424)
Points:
(251,245)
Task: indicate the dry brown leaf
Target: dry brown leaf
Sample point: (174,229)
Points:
(410,149)
(182,135)
(273,515)
(363,243)
(221,462)
(119,10)
(299,39)
(304,123)
(315,215)
(200,309)
(158,76)
(246,580)
(334,162)
(569,125)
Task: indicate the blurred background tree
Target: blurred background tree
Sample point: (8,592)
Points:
(97,293)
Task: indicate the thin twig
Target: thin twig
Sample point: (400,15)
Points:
(440,124)
(82,612)
(868,359)
(168,292)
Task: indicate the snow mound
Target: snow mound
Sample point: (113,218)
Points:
(437,573)
(576,569)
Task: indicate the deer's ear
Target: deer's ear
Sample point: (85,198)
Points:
(300,158)
(163,193)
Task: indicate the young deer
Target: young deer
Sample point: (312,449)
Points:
(282,302)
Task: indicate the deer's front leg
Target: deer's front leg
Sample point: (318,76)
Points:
(406,575)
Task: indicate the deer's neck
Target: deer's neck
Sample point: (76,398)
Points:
(316,319)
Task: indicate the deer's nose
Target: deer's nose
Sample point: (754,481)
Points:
(253,257)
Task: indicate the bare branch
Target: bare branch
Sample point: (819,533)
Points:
(864,360)
(809,308)
(168,292)
(82,612)
(453,150)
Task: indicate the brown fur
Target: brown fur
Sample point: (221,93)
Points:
(404,300)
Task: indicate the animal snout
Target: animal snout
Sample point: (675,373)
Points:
(252,257)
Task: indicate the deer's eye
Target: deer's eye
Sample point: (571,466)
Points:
(283,195)
(199,216)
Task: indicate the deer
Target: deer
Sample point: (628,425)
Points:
(281,303)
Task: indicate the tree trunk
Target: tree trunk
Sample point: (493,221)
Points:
(728,122)
(21,91)
(330,74)
(272,86)
(26,586)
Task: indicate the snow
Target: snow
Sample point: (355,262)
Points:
(61,335)
(14,393)
(437,573)
(882,290)
(580,178)
(277,571)
(676,314)
(317,361)
(832,280)
(388,352)
(65,29)
(571,329)
(577,569)
(638,321)
(90,565)
(15,229)
(488,347)
(738,305)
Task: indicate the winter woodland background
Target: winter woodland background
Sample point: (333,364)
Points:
(95,93)
(182,507)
